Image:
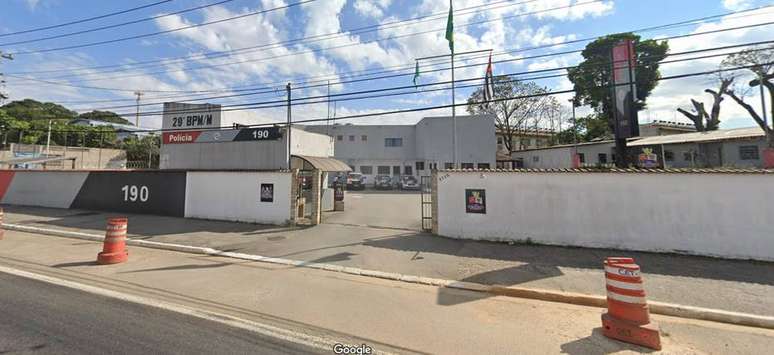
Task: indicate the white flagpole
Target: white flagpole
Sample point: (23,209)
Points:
(454,116)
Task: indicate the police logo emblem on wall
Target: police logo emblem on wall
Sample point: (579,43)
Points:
(475,201)
(267,192)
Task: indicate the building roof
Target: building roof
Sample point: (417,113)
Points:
(321,163)
(35,160)
(117,126)
(711,136)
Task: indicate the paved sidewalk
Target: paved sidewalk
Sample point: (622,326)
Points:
(733,285)
(388,315)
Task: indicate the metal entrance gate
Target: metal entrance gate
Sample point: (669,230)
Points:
(427,203)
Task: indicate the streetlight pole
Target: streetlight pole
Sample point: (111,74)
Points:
(763,100)
(574,131)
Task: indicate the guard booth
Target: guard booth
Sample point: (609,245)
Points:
(312,191)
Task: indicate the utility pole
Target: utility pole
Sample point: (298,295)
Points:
(763,100)
(48,140)
(290,119)
(3,95)
(574,132)
(137,117)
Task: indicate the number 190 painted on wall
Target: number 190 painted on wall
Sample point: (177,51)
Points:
(133,193)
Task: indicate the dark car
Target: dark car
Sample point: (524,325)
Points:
(383,182)
(355,181)
(408,182)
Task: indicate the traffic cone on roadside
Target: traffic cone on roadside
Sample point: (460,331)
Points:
(2,231)
(628,316)
(114,246)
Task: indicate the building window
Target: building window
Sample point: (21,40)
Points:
(339,138)
(602,158)
(669,155)
(393,142)
(582,157)
(408,170)
(535,159)
(688,156)
(748,152)
(499,140)
(351,138)
(364,138)
(366,170)
(420,165)
(396,170)
(448,165)
(483,165)
(467,166)
(383,170)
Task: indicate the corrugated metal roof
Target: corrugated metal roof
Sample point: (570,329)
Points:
(323,163)
(718,135)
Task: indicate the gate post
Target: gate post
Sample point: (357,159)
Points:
(316,202)
(293,196)
(434,200)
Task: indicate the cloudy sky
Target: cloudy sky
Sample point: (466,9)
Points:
(366,44)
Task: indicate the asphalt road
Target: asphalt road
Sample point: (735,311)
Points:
(40,318)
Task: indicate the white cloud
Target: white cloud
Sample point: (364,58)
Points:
(32,4)
(371,8)
(737,4)
(671,94)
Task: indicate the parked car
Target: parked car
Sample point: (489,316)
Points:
(355,181)
(383,182)
(408,182)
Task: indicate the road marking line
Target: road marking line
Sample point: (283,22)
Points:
(260,328)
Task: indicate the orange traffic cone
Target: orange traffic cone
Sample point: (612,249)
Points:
(114,246)
(628,316)
(2,231)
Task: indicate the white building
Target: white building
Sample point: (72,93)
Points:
(413,149)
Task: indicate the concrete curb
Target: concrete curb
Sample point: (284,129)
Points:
(667,309)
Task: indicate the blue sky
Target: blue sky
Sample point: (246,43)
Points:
(506,28)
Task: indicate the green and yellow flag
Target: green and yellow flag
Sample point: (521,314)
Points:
(450,27)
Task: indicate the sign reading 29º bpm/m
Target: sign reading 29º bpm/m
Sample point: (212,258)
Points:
(178,115)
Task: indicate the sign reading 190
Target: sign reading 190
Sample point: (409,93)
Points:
(261,134)
(134,193)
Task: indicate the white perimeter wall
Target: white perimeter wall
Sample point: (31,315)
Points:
(235,196)
(727,215)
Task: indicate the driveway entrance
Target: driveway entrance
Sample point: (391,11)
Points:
(374,208)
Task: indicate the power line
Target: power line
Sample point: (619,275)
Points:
(429,108)
(281,103)
(100,76)
(218,54)
(114,25)
(86,19)
(115,40)
(501,53)
(469,66)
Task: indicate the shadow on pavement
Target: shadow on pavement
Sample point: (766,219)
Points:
(144,226)
(598,343)
(77,263)
(509,276)
(543,259)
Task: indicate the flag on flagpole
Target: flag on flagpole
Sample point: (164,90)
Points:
(416,75)
(450,27)
(489,81)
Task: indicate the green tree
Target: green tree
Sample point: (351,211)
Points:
(29,109)
(760,62)
(105,116)
(592,77)
(141,151)
(524,111)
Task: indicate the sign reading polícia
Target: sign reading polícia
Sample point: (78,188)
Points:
(178,115)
